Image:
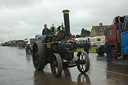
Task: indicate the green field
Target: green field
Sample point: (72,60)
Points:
(93,50)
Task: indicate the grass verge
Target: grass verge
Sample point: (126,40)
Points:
(93,49)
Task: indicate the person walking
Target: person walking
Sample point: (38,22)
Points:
(89,42)
(86,47)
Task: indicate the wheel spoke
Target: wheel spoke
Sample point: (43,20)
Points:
(37,62)
(37,54)
(55,63)
(82,68)
(81,56)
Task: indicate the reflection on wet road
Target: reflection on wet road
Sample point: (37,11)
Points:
(16,68)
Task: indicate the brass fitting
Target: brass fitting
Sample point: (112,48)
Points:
(65,11)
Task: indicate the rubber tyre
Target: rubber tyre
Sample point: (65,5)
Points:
(39,60)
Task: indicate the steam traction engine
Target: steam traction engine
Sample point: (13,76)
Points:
(58,50)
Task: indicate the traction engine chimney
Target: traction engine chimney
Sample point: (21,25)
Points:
(66,22)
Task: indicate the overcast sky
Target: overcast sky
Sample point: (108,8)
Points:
(20,19)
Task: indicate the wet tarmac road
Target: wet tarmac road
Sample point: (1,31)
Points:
(16,68)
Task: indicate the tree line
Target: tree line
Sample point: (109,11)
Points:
(84,33)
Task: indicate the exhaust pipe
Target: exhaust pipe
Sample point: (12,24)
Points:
(66,22)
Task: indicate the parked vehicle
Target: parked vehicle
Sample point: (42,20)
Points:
(100,49)
(98,40)
(80,44)
(116,35)
(28,47)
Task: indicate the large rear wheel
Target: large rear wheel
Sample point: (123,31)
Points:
(56,64)
(39,60)
(83,62)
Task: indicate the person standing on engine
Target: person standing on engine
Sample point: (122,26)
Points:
(53,29)
(45,31)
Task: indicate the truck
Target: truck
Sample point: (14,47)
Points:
(117,36)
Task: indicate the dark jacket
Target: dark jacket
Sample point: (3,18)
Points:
(107,47)
(86,46)
(46,31)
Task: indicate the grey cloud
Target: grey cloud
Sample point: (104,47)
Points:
(18,3)
(25,18)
